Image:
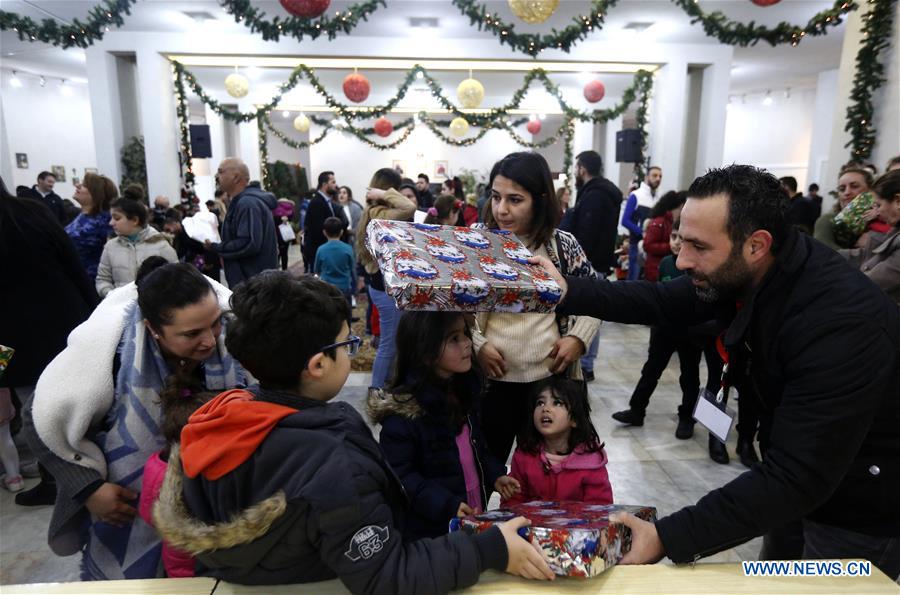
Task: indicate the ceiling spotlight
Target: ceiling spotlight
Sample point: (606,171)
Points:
(285,114)
(767,101)
(420,75)
(43,81)
(787,93)
(542,116)
(14,81)
(65,89)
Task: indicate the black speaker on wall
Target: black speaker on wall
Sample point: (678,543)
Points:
(201,146)
(628,145)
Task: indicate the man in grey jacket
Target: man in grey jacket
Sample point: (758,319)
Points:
(248,244)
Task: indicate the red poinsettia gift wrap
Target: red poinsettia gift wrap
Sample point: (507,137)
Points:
(447,268)
(577,538)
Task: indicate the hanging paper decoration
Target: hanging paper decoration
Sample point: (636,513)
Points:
(383,127)
(533,11)
(306,9)
(765,2)
(237,85)
(594,91)
(459,127)
(533,126)
(470,93)
(356,87)
(301,123)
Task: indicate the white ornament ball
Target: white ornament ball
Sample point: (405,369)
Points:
(470,93)
(459,127)
(301,123)
(533,11)
(237,85)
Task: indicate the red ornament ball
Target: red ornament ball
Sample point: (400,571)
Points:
(383,127)
(765,2)
(594,91)
(356,87)
(306,9)
(533,126)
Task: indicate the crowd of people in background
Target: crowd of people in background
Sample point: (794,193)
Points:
(146,287)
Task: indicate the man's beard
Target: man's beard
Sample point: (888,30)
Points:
(727,282)
(579,183)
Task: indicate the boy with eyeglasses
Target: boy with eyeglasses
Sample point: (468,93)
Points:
(279,486)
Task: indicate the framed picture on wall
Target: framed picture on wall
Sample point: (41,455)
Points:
(59,172)
(22,160)
(441,169)
(399,165)
(90,170)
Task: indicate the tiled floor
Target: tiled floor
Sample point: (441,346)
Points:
(648,465)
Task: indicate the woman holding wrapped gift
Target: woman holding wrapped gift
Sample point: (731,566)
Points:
(383,201)
(855,214)
(518,350)
(96,414)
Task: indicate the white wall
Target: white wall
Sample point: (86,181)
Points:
(51,128)
(776,137)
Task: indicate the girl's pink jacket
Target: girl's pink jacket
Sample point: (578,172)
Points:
(582,477)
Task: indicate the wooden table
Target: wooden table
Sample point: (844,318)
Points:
(659,578)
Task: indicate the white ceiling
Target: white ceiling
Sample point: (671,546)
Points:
(755,68)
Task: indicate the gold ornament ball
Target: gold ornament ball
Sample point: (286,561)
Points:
(533,11)
(459,127)
(301,123)
(237,85)
(470,93)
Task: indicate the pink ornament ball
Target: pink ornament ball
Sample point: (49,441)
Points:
(356,87)
(533,126)
(765,2)
(594,91)
(306,9)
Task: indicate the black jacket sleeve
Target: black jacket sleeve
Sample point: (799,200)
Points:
(669,304)
(364,547)
(830,398)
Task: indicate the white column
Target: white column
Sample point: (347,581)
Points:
(887,104)
(6,158)
(159,123)
(103,85)
(667,118)
(248,139)
(216,137)
(711,129)
(820,139)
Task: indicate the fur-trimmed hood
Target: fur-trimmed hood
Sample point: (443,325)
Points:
(382,403)
(179,529)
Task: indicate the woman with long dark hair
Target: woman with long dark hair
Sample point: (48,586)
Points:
(517,350)
(656,236)
(96,415)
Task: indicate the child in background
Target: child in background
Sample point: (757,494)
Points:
(444,211)
(667,268)
(135,241)
(431,433)
(335,261)
(180,398)
(280,486)
(559,456)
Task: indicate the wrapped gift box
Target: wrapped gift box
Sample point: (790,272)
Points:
(577,538)
(439,267)
(6,354)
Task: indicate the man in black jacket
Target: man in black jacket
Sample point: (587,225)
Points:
(594,222)
(43,193)
(811,340)
(320,208)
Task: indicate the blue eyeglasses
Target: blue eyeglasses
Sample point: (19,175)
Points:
(352,344)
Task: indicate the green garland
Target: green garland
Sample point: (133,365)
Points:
(729,32)
(568,152)
(183,113)
(435,127)
(329,125)
(876,31)
(300,28)
(101,18)
(263,151)
(533,43)
(642,118)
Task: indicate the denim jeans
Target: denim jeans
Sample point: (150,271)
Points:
(387,348)
(587,360)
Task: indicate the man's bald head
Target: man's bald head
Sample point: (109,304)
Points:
(161,202)
(232,176)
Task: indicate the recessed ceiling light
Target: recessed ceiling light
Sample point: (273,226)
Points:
(638,26)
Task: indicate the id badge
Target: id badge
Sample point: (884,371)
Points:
(713,415)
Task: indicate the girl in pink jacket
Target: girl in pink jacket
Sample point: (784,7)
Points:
(181,397)
(559,456)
